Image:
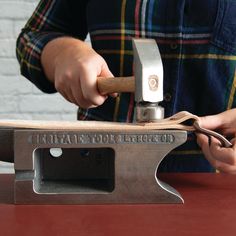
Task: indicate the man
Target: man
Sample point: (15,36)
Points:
(198,48)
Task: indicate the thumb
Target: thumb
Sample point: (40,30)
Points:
(211,122)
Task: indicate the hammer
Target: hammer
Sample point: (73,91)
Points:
(147,82)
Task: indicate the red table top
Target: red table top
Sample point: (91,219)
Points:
(209,209)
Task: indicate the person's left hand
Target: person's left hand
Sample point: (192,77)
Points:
(221,158)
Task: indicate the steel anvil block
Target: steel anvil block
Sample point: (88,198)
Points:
(86,167)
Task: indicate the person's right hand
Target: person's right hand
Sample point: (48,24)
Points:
(76,67)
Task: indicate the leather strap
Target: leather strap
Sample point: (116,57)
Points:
(181,121)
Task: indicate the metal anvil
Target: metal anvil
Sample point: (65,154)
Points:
(93,165)
(86,167)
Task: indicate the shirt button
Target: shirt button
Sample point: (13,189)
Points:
(174,46)
(167,97)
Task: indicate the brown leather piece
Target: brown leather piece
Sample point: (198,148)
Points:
(174,122)
(177,121)
(209,209)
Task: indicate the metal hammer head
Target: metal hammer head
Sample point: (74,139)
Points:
(148,71)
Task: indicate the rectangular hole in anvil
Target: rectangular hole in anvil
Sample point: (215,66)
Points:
(76,170)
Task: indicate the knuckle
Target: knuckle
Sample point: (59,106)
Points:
(90,62)
(63,80)
(84,64)
(67,76)
(59,81)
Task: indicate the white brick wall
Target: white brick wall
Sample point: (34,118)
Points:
(19,99)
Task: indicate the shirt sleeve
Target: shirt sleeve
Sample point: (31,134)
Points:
(51,19)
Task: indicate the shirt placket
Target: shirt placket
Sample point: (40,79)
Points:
(172,51)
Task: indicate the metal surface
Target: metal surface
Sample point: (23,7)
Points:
(148,71)
(94,167)
(148,79)
(149,112)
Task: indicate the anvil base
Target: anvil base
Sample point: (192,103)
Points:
(71,167)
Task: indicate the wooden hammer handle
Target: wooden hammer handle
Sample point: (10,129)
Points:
(116,85)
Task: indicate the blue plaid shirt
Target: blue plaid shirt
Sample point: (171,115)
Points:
(196,38)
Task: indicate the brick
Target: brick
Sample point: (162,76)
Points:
(15,116)
(7,48)
(45,104)
(19,0)
(16,10)
(9,66)
(6,29)
(69,116)
(15,85)
(8,104)
(41,116)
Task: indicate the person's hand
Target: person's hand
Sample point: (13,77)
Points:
(76,67)
(223,159)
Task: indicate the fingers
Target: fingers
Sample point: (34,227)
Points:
(88,81)
(222,154)
(223,159)
(225,122)
(73,93)
(81,100)
(89,91)
(76,73)
(211,122)
(68,96)
(79,86)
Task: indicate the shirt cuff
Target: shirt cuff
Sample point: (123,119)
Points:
(29,50)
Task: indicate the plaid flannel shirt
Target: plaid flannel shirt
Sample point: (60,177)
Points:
(197,41)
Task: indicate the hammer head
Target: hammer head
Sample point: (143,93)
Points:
(148,72)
